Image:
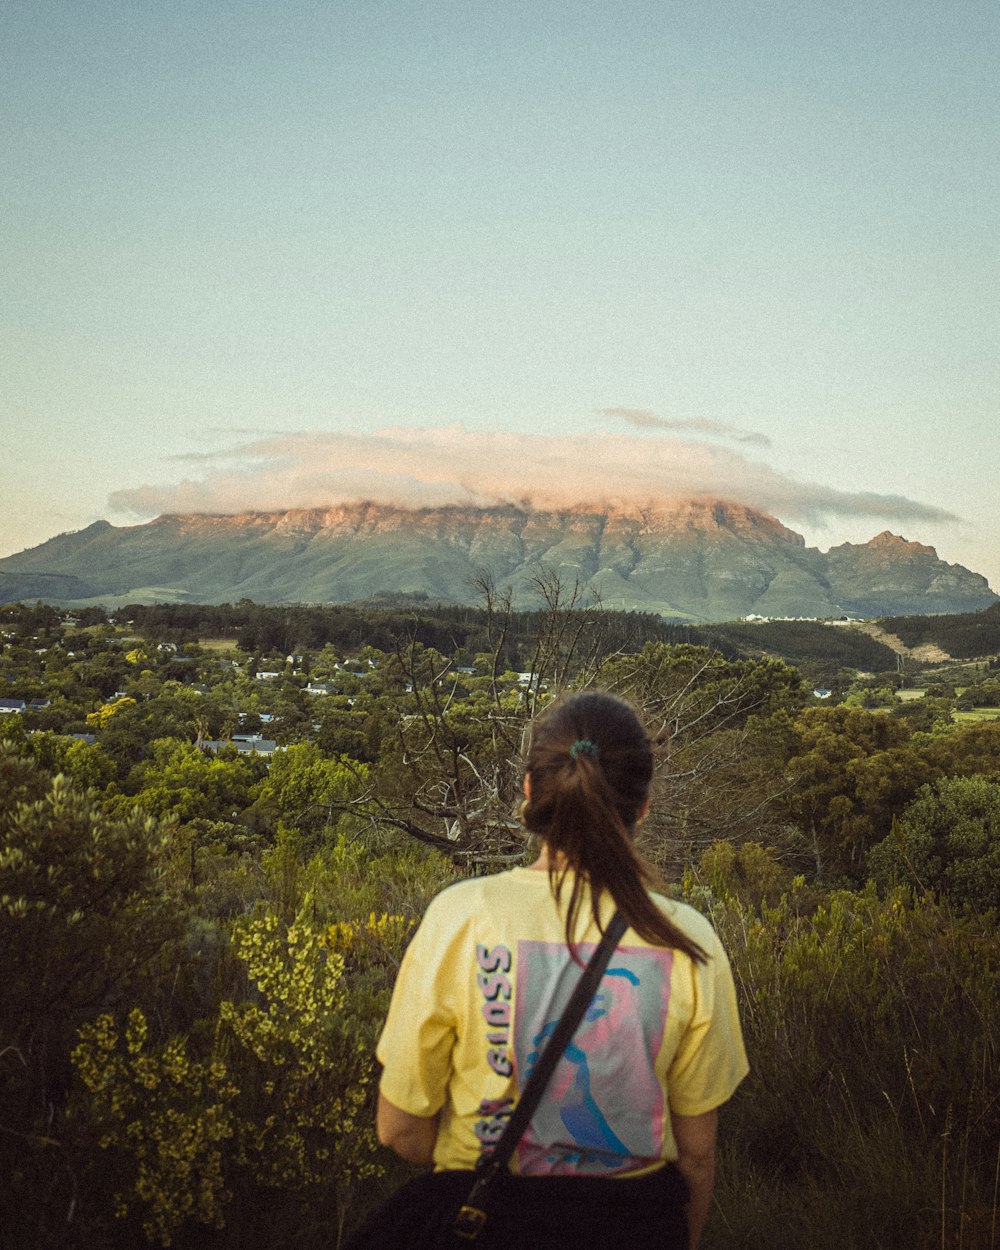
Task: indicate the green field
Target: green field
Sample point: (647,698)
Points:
(976,714)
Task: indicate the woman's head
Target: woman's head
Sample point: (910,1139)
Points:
(588,749)
(587,778)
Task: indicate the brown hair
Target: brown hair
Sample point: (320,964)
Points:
(590,764)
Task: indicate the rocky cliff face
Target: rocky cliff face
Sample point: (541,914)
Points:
(889,576)
(693,560)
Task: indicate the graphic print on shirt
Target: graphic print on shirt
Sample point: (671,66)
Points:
(604,1107)
(495,985)
(493,964)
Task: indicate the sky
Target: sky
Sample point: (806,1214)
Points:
(265,255)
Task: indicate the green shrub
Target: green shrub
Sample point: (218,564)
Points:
(870,1118)
(947,840)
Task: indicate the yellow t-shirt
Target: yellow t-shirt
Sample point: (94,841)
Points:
(481,987)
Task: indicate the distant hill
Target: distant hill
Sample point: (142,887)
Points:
(966,636)
(695,560)
(282,629)
(52,587)
(802,643)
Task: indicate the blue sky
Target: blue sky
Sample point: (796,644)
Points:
(258,255)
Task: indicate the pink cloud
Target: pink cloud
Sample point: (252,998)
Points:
(450,465)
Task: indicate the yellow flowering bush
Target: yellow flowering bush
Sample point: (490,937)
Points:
(170,1113)
(104,714)
(382,933)
(305,1057)
(281,1101)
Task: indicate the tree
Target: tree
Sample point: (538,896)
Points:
(966,751)
(308,791)
(178,780)
(722,730)
(850,772)
(449,767)
(83,763)
(100,719)
(947,840)
(173,713)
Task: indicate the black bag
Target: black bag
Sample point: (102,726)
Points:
(534,1213)
(490,1208)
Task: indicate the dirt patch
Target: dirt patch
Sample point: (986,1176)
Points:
(929,653)
(926,653)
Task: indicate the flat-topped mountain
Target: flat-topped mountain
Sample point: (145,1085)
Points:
(692,560)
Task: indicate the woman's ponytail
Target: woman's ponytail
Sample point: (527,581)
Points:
(590,764)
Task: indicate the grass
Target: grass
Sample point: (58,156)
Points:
(976,714)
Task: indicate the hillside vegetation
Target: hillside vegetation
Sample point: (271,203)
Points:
(382,622)
(219,825)
(802,642)
(964,635)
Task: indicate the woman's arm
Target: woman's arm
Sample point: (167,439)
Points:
(695,1137)
(411,1136)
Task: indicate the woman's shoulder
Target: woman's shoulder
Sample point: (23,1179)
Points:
(690,921)
(479,896)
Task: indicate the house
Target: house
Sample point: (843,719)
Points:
(526,680)
(36,705)
(267,675)
(249,744)
(321,687)
(9,707)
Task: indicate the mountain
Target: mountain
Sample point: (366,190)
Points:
(693,560)
(884,574)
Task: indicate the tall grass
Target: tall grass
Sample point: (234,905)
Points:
(872,1115)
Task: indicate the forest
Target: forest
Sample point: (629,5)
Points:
(219,825)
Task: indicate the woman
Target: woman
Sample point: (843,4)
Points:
(635,1097)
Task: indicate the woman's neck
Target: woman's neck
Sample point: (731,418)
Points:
(549,860)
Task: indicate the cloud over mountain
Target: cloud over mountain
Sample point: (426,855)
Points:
(425,467)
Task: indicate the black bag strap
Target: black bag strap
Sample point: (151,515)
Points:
(472,1215)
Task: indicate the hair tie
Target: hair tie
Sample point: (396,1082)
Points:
(583,746)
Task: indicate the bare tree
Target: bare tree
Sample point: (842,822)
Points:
(452,776)
(719,757)
(451,769)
